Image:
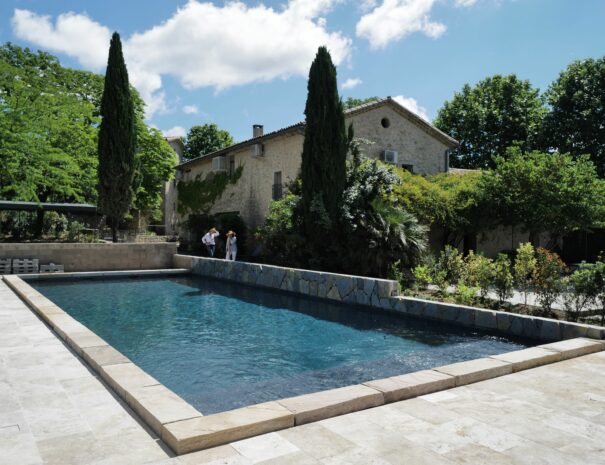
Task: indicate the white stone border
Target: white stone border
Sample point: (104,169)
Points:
(185,429)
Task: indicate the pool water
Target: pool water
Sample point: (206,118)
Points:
(222,345)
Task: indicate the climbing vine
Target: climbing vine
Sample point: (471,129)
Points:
(198,195)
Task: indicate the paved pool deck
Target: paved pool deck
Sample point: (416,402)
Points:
(54,410)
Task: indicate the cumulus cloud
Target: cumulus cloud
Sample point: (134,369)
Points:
(351,83)
(465,3)
(395,19)
(191,109)
(74,34)
(176,131)
(412,105)
(201,44)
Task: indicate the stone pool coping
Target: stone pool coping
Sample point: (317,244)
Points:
(185,429)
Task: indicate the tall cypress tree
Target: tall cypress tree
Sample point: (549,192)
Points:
(117,140)
(323,170)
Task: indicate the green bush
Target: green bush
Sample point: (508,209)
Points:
(503,278)
(478,272)
(451,263)
(465,295)
(581,290)
(422,276)
(546,279)
(524,268)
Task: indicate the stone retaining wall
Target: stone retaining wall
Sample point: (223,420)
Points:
(383,294)
(332,286)
(95,257)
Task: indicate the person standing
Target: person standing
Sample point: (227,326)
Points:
(231,246)
(209,241)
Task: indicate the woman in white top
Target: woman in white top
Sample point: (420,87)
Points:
(209,242)
(231,246)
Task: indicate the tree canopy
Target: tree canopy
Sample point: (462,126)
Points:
(206,138)
(49,124)
(575,123)
(545,192)
(351,102)
(488,118)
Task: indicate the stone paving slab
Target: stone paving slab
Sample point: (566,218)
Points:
(54,410)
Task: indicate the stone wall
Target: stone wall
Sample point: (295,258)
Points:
(384,294)
(342,288)
(95,257)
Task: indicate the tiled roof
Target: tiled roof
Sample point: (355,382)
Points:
(299,127)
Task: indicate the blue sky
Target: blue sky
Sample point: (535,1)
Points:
(240,63)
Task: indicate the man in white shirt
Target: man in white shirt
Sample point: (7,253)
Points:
(209,241)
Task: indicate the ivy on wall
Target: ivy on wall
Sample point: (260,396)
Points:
(198,195)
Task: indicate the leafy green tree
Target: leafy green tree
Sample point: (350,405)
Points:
(47,134)
(575,122)
(156,162)
(351,102)
(488,118)
(545,192)
(452,202)
(524,268)
(206,138)
(323,170)
(478,272)
(117,140)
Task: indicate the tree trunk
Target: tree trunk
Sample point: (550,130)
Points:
(114,231)
(534,238)
(39,223)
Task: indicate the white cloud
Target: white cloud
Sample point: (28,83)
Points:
(465,3)
(395,19)
(191,109)
(195,45)
(74,34)
(177,131)
(351,83)
(412,105)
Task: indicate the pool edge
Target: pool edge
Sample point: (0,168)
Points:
(184,429)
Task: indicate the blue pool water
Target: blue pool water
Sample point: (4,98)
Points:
(222,345)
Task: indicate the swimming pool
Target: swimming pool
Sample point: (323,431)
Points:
(221,345)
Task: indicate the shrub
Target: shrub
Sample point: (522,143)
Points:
(503,278)
(465,295)
(478,272)
(581,291)
(524,268)
(440,279)
(451,263)
(422,276)
(546,279)
(598,272)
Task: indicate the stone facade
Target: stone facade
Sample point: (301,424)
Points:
(95,257)
(420,147)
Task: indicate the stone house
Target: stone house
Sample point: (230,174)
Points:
(272,160)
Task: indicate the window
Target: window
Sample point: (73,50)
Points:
(231,165)
(408,167)
(277,186)
(385,122)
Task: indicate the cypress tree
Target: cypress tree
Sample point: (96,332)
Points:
(323,170)
(117,140)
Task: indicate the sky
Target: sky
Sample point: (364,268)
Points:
(239,63)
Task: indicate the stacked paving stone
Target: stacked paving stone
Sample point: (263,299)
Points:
(5,266)
(25,265)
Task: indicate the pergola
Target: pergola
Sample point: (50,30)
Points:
(82,208)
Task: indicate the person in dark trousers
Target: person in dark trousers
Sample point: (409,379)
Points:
(209,241)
